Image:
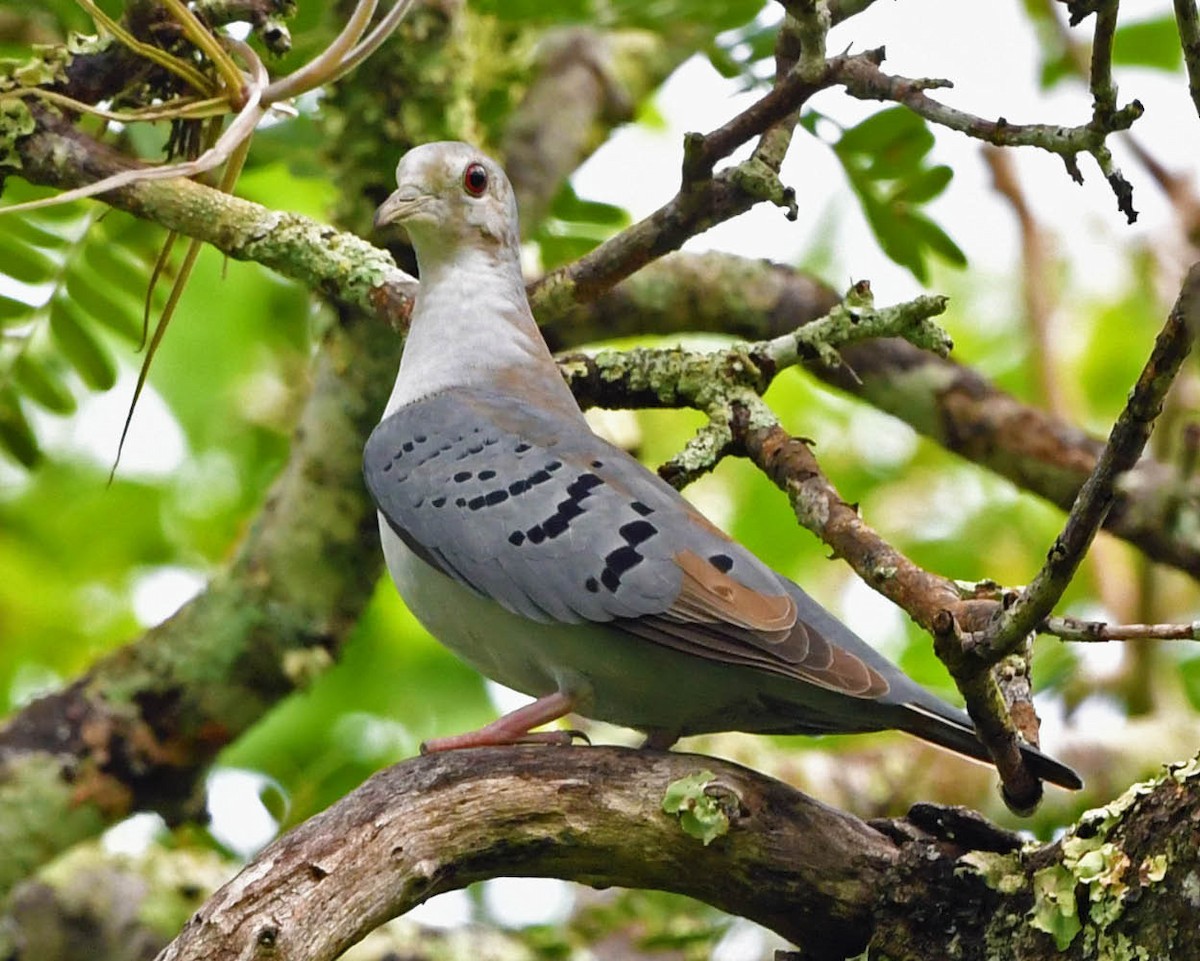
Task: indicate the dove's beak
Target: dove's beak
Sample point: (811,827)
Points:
(398,206)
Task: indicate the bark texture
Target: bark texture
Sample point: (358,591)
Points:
(940,883)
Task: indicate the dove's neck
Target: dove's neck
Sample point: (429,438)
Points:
(472,327)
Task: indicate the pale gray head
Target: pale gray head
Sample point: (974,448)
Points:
(450,196)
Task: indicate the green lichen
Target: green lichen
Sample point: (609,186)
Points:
(1091,860)
(1188,769)
(16,122)
(303,665)
(1000,872)
(1054,908)
(39,812)
(701,812)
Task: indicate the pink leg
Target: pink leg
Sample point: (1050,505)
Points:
(513,728)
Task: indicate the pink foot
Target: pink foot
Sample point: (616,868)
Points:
(514,728)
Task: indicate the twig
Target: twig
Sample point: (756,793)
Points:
(1188,22)
(1104,91)
(863,79)
(1073,629)
(251,112)
(1125,444)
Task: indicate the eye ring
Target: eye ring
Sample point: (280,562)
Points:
(475,179)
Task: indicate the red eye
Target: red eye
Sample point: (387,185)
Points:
(475,179)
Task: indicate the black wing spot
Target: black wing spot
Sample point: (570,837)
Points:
(496,497)
(597,464)
(518,487)
(486,475)
(554,465)
(637,532)
(460,502)
(618,562)
(476,502)
(583,485)
(539,477)
(420,438)
(640,508)
(438,502)
(407,446)
(722,562)
(592,586)
(521,448)
(570,509)
(536,534)
(462,476)
(516,538)
(475,449)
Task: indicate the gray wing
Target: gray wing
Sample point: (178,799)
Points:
(553,523)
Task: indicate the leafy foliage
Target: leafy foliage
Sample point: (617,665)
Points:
(82,274)
(886,163)
(576,226)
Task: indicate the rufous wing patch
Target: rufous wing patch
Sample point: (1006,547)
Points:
(708,594)
(839,669)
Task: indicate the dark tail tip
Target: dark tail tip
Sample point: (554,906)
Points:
(1048,769)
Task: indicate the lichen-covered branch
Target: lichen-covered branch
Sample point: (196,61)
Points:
(836,886)
(950,403)
(862,78)
(340,265)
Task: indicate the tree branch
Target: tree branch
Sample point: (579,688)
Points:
(824,880)
(951,404)
(863,79)
(1124,448)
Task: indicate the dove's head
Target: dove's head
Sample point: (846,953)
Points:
(449,196)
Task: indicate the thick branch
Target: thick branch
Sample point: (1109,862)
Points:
(440,822)
(340,265)
(908,889)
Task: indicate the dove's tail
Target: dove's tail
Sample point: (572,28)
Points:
(949,728)
(913,709)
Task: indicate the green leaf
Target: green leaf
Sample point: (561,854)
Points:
(885,129)
(1056,69)
(16,436)
(105,299)
(29,265)
(1189,670)
(901,157)
(898,242)
(1150,43)
(81,347)
(570,206)
(924,186)
(40,384)
(937,240)
(15,311)
(32,230)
